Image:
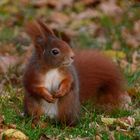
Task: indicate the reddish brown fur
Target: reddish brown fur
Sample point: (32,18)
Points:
(100,79)
(39,65)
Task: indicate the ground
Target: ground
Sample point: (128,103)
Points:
(113,26)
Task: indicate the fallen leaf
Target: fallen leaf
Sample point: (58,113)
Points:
(126,122)
(132,91)
(111,136)
(53,3)
(111,8)
(4,2)
(44,137)
(13,126)
(116,45)
(13,134)
(115,54)
(108,121)
(64,4)
(124,63)
(91,2)
(131,38)
(6,62)
(7,49)
(39,3)
(25,2)
(97,137)
(87,14)
(124,131)
(1,119)
(59,18)
(135,61)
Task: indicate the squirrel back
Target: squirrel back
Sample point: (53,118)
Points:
(100,80)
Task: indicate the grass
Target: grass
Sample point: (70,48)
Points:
(89,125)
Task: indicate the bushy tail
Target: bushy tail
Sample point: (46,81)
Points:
(100,79)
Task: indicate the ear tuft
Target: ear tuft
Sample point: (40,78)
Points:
(47,31)
(33,29)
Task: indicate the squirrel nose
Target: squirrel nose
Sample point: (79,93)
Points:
(72,56)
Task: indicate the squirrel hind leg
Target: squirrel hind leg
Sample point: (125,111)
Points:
(32,107)
(69,109)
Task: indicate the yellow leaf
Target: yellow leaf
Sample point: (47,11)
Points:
(11,134)
(108,121)
(115,54)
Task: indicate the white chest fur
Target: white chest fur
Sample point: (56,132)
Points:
(53,79)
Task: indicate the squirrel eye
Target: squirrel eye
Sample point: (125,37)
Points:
(55,51)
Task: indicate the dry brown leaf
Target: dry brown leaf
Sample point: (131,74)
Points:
(108,121)
(126,122)
(135,61)
(110,8)
(97,137)
(64,3)
(1,119)
(87,14)
(39,3)
(136,31)
(132,41)
(131,38)
(59,18)
(59,5)
(13,126)
(116,45)
(111,136)
(44,137)
(132,91)
(53,3)
(6,62)
(7,49)
(13,134)
(123,63)
(124,131)
(91,2)
(25,2)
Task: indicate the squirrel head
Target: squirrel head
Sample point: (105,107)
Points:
(50,50)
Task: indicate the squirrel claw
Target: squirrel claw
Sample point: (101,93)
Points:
(59,94)
(51,100)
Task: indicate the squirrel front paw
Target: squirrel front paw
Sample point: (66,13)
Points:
(50,99)
(59,93)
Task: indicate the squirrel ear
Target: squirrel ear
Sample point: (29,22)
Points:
(45,29)
(34,31)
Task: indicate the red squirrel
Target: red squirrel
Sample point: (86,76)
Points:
(50,79)
(55,86)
